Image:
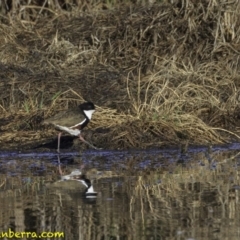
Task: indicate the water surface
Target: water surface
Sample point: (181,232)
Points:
(158,194)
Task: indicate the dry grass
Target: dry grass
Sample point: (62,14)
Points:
(160,73)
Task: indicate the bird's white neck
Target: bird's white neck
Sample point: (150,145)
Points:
(90,190)
(89,113)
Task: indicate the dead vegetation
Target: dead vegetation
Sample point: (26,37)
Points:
(160,72)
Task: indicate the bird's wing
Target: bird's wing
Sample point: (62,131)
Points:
(67,118)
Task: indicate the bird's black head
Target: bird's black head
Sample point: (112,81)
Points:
(87,182)
(87,106)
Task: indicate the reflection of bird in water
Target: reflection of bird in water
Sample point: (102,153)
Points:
(73,121)
(77,176)
(77,180)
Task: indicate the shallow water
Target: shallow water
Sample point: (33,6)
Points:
(158,194)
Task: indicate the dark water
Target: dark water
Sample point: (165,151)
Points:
(158,194)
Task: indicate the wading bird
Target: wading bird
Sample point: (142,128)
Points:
(73,121)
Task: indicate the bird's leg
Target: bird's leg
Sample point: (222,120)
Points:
(88,143)
(59,166)
(59,137)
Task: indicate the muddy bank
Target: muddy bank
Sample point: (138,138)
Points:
(160,74)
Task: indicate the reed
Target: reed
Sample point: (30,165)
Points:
(160,73)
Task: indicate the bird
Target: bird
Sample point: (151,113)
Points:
(80,184)
(77,176)
(71,181)
(73,121)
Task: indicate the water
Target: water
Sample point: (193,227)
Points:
(158,194)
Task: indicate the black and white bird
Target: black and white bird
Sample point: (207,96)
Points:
(73,121)
(77,175)
(75,181)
